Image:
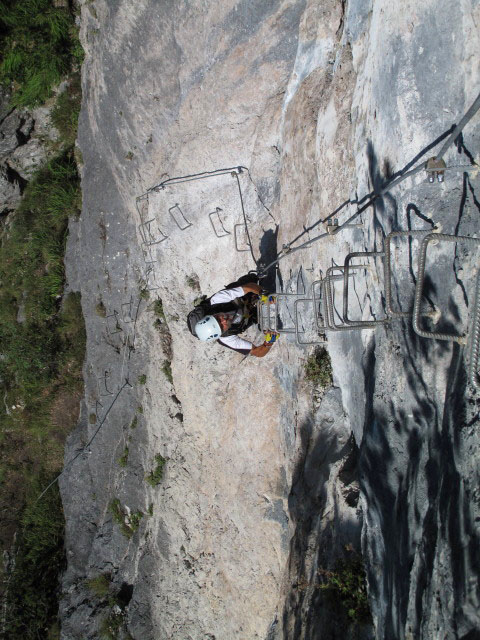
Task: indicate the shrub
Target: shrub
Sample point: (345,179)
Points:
(155,477)
(346,586)
(142,379)
(318,368)
(128,523)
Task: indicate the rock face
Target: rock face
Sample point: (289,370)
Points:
(297,109)
(25,138)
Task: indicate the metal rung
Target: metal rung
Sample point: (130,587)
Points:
(329,306)
(475,339)
(151,232)
(317,305)
(113,325)
(420,281)
(147,253)
(322,339)
(346,273)
(268,322)
(103,381)
(179,218)
(127,311)
(235,227)
(388,271)
(222,232)
(150,284)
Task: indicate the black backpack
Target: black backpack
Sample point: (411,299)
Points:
(204,308)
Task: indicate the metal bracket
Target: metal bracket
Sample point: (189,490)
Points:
(420,281)
(333,227)
(435,168)
(178,217)
(147,254)
(265,320)
(127,308)
(150,284)
(235,227)
(151,232)
(113,326)
(103,381)
(220,223)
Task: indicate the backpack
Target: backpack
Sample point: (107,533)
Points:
(204,308)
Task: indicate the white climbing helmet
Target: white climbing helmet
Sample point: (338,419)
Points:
(208,329)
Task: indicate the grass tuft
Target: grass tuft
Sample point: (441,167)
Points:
(100,585)
(123,460)
(39,46)
(167,370)
(318,368)
(128,523)
(155,477)
(67,109)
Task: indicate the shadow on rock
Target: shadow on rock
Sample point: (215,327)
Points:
(322,504)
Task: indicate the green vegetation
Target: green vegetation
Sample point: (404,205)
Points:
(167,370)
(33,588)
(193,282)
(134,423)
(158,309)
(42,333)
(39,46)
(123,460)
(111,626)
(67,109)
(150,509)
(100,310)
(155,477)
(345,588)
(142,379)
(318,368)
(144,293)
(100,585)
(128,523)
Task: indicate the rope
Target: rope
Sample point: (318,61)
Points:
(69,464)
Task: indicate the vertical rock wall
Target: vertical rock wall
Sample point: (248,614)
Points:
(319,102)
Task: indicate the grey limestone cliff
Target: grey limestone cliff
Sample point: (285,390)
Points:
(298,108)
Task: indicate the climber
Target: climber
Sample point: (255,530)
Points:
(228,313)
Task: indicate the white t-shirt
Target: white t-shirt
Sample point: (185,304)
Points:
(232,342)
